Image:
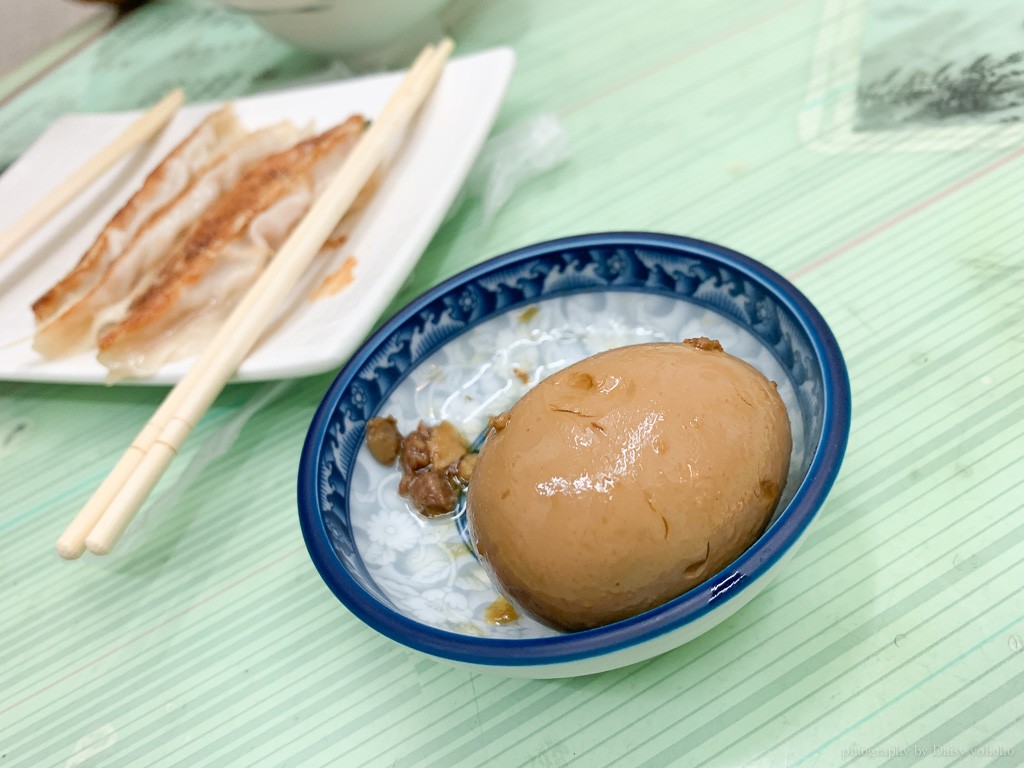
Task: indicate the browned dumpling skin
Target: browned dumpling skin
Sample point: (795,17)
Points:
(218,133)
(624,480)
(208,270)
(129,271)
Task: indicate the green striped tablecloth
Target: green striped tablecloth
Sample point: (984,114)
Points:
(897,632)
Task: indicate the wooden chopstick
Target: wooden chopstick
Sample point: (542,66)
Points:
(71,543)
(197,390)
(135,134)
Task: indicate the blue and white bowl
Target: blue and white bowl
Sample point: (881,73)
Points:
(469,348)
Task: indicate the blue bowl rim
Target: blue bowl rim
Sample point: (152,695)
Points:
(671,616)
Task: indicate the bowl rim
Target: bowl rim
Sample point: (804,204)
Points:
(689,607)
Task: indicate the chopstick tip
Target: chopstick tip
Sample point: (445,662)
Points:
(99,547)
(69,550)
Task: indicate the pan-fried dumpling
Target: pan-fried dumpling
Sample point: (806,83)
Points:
(219,259)
(214,136)
(77,327)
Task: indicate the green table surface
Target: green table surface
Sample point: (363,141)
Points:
(897,630)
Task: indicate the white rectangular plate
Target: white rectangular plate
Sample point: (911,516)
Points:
(310,336)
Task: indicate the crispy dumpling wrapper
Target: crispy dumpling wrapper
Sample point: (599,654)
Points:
(214,136)
(78,327)
(213,266)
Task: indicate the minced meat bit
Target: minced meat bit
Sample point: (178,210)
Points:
(435,462)
(446,445)
(704,343)
(415,451)
(464,470)
(431,491)
(382,439)
(501,611)
(498,422)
